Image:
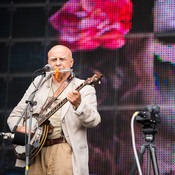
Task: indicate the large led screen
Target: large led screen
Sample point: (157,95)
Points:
(131,42)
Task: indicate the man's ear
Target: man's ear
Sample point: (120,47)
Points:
(72,62)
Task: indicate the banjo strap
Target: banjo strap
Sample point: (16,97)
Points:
(58,92)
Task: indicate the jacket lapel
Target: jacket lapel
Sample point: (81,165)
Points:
(42,94)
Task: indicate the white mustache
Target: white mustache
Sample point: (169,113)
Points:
(63,70)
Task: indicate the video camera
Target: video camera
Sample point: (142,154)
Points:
(150,115)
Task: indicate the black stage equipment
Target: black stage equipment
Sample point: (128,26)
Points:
(149,119)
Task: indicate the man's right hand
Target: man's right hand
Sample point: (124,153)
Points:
(22,129)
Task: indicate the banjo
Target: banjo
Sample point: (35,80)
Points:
(40,125)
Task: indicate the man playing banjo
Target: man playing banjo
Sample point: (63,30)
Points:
(65,151)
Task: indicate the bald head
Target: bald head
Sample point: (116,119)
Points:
(60,48)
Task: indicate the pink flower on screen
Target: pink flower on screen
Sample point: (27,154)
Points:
(88,24)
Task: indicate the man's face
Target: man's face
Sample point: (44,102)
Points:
(60,58)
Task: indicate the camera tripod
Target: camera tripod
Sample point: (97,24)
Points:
(149,132)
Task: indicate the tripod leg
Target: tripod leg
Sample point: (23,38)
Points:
(148,161)
(154,159)
(140,155)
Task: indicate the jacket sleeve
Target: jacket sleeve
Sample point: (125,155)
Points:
(87,111)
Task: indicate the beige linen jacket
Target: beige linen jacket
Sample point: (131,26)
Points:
(74,123)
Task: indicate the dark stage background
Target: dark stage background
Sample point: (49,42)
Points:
(130,41)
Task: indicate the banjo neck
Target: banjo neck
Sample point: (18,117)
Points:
(90,81)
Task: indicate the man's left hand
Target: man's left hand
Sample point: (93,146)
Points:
(74,98)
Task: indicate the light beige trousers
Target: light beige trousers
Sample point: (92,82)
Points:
(53,160)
